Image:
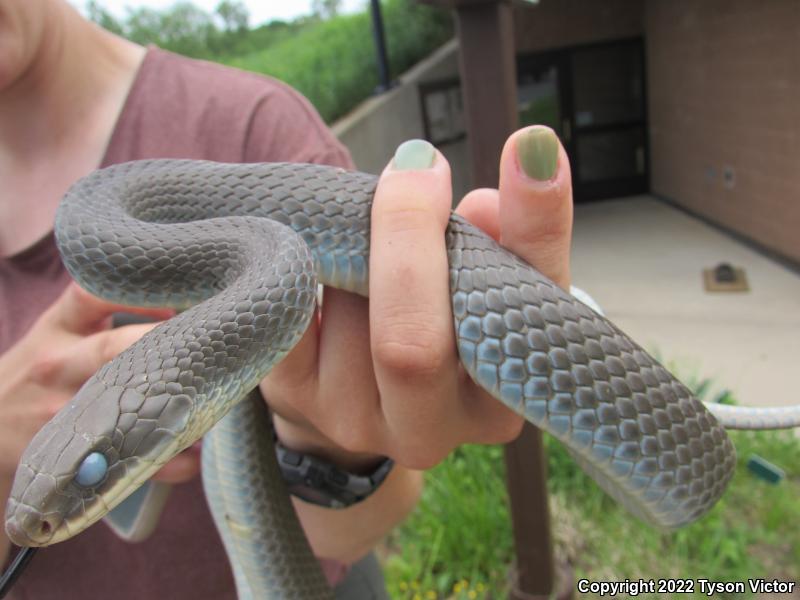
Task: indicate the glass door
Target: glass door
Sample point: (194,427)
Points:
(594,97)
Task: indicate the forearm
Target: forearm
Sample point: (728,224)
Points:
(347,534)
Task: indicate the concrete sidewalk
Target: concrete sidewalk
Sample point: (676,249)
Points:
(642,260)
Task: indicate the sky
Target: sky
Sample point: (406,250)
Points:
(261,11)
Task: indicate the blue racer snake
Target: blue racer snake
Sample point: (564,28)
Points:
(241,249)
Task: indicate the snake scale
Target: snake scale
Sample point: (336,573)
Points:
(240,250)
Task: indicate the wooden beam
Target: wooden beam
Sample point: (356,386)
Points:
(489,91)
(488,84)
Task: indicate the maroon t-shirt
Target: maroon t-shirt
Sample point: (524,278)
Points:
(177,108)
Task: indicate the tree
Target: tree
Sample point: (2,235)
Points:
(325,9)
(182,28)
(102,17)
(234,15)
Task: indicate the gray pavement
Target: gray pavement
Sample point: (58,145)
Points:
(642,260)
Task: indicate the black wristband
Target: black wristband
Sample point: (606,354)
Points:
(321,483)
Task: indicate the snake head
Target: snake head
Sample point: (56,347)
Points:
(95,452)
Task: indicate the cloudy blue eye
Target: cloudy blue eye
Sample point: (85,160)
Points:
(92,470)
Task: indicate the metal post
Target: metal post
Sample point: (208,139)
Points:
(380,47)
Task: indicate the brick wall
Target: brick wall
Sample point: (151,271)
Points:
(724,112)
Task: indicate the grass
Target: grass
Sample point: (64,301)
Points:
(333,63)
(458,542)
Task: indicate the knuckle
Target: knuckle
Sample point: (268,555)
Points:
(409,357)
(408,347)
(106,347)
(46,369)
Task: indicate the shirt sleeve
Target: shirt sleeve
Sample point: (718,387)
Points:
(285,127)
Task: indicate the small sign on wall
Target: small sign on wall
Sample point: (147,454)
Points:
(442,111)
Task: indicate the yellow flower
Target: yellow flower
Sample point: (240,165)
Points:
(472,594)
(479,587)
(403,586)
(430,595)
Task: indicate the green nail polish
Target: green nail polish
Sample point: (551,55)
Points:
(537,150)
(414,154)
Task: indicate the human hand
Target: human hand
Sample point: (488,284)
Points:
(382,377)
(69,342)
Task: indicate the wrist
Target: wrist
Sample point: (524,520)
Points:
(321,473)
(308,440)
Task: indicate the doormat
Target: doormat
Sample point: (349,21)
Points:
(725,278)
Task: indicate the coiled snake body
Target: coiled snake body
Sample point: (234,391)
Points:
(241,248)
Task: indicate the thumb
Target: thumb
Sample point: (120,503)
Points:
(536,201)
(80,312)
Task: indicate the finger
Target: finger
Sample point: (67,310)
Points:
(80,312)
(182,468)
(411,326)
(481,207)
(291,386)
(84,358)
(536,201)
(349,405)
(346,410)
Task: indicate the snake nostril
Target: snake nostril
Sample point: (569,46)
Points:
(46,528)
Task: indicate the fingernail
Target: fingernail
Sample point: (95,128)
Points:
(537,150)
(414,154)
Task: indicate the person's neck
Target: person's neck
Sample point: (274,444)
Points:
(79,72)
(57,119)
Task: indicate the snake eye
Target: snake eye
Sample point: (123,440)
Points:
(92,470)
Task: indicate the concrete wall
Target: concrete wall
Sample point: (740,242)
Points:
(375,128)
(724,111)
